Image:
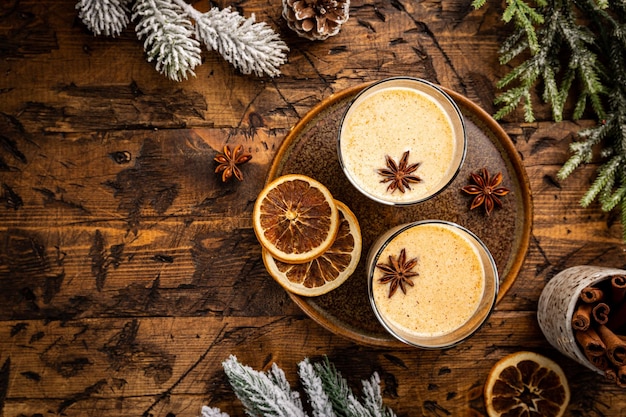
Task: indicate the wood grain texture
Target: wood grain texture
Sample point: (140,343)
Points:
(129,272)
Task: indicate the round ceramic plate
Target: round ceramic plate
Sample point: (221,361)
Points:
(311,149)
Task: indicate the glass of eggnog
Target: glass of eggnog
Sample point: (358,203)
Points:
(431,283)
(401,141)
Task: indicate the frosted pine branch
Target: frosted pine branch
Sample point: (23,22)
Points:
(373,399)
(212,412)
(173,30)
(314,388)
(168,37)
(335,386)
(268,394)
(278,378)
(104,17)
(259,393)
(249,46)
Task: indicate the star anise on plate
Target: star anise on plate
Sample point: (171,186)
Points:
(400,175)
(487,190)
(228,161)
(398,272)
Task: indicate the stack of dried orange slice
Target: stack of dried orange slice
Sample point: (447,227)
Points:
(311,242)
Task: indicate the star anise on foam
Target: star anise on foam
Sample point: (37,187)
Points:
(399,175)
(398,272)
(228,161)
(486,189)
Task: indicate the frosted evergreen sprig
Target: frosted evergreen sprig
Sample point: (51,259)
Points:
(173,31)
(212,412)
(372,398)
(268,394)
(252,47)
(168,37)
(314,388)
(337,389)
(263,394)
(104,17)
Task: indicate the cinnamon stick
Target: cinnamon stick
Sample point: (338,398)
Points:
(615,346)
(618,288)
(591,343)
(591,294)
(582,317)
(600,362)
(600,313)
(617,320)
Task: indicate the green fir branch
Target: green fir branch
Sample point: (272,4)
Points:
(582,151)
(345,403)
(604,182)
(514,45)
(335,385)
(615,198)
(477,4)
(511,99)
(524,17)
(576,52)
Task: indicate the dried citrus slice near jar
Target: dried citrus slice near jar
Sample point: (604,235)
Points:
(327,271)
(295,218)
(526,384)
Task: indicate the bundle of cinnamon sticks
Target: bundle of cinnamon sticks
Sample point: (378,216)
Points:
(599,324)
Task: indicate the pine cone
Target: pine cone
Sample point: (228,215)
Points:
(316,19)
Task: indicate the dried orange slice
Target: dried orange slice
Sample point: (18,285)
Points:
(327,271)
(526,384)
(295,218)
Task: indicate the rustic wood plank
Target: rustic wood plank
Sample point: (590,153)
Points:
(129,272)
(173,365)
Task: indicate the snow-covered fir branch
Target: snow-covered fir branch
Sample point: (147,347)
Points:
(314,388)
(373,398)
(252,47)
(262,394)
(212,412)
(104,17)
(173,32)
(334,385)
(268,394)
(168,37)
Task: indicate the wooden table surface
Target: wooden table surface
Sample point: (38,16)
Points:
(129,272)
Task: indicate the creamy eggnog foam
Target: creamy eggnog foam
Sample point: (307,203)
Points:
(453,293)
(395,116)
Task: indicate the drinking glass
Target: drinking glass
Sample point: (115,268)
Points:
(390,118)
(453,293)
